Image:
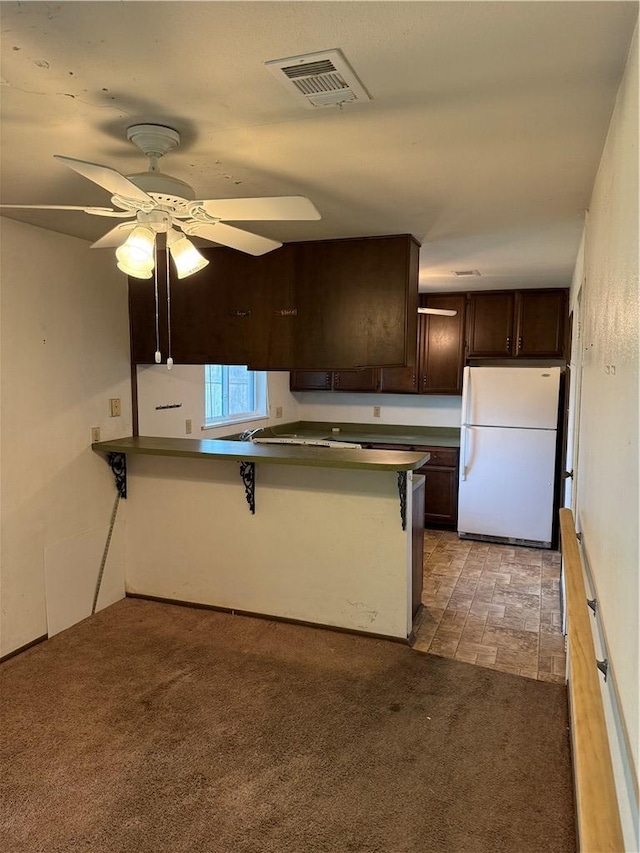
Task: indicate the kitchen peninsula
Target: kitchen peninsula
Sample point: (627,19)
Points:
(317,534)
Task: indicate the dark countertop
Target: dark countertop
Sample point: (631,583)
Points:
(280,454)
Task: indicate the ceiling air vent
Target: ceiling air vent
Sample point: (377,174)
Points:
(322,79)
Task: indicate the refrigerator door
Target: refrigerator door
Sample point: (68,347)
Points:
(506,483)
(511,396)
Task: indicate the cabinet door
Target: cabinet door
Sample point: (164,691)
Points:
(356,302)
(490,324)
(365,379)
(441,496)
(441,486)
(399,380)
(541,323)
(310,380)
(442,355)
(237,310)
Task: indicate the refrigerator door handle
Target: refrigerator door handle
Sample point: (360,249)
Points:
(464,442)
(466,395)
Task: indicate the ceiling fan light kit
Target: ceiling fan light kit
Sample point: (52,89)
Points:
(157,203)
(161,203)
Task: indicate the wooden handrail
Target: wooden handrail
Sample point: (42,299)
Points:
(599,828)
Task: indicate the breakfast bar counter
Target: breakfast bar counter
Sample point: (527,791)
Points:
(321,535)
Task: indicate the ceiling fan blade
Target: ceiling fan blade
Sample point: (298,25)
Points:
(107,178)
(274,207)
(115,237)
(442,312)
(235,238)
(95,211)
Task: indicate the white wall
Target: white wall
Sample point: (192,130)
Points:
(401,409)
(184,385)
(607,484)
(64,353)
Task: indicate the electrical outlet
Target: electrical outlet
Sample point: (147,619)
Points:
(278,411)
(187,426)
(114,407)
(95,434)
(376,411)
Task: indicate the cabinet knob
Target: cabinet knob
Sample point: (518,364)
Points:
(508,344)
(520,342)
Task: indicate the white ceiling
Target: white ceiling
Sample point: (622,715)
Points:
(482,138)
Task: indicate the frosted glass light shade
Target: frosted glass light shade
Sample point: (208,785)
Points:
(134,271)
(185,255)
(135,256)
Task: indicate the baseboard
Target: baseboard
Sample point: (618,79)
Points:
(268,616)
(24,648)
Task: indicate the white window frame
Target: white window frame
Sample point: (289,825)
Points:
(260,396)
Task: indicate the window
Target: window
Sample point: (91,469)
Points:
(233,394)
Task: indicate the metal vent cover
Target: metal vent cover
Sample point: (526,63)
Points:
(322,79)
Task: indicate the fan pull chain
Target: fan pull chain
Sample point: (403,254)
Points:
(169,359)
(158,355)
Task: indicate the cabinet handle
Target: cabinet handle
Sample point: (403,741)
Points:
(239,313)
(520,342)
(508,344)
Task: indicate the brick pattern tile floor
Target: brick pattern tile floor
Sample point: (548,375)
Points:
(492,605)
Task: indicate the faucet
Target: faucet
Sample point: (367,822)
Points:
(248,434)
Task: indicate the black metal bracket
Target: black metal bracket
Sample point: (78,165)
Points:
(118,464)
(603,666)
(248,474)
(402,491)
(593,604)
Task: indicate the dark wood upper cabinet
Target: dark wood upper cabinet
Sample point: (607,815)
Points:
(357,302)
(363,379)
(517,324)
(311,380)
(440,351)
(442,358)
(490,324)
(326,305)
(541,318)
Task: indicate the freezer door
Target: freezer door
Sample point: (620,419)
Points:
(506,483)
(511,396)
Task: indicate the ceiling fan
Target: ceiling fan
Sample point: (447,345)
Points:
(156,203)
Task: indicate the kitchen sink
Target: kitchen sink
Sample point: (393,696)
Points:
(313,442)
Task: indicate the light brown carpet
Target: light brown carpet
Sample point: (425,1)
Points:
(152,727)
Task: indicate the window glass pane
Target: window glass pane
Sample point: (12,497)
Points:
(233,392)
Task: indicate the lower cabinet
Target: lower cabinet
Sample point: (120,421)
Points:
(441,482)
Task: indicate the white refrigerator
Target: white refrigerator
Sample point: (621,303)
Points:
(508,445)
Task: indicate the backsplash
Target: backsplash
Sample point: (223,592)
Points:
(401,409)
